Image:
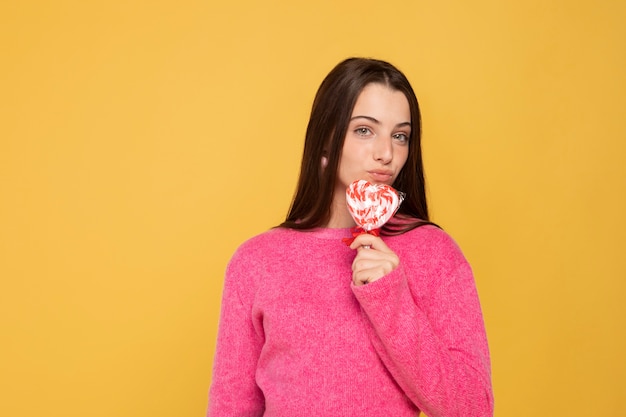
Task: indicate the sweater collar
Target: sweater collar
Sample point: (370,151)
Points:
(329,233)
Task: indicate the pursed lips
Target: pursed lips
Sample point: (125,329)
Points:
(381,175)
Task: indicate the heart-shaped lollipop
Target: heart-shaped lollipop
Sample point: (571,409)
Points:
(372,205)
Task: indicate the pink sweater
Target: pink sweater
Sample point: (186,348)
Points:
(296,338)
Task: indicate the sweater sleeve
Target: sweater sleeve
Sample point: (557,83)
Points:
(234,392)
(426,324)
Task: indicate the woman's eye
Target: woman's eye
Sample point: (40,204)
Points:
(362,131)
(402,137)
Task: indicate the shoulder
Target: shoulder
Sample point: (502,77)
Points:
(435,238)
(430,244)
(263,244)
(270,247)
(252,260)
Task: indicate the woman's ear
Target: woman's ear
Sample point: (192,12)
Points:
(324,161)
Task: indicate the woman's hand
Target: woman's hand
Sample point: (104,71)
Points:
(373,260)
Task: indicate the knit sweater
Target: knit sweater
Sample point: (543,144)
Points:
(298,338)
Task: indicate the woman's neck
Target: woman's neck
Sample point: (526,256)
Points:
(339,215)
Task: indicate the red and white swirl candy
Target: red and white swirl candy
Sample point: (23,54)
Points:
(372,205)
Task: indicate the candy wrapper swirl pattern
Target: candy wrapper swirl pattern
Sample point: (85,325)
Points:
(371,206)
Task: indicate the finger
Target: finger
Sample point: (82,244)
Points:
(360,278)
(371,241)
(377,255)
(371,259)
(370,255)
(363,264)
(368,275)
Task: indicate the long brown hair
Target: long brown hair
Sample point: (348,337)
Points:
(326,131)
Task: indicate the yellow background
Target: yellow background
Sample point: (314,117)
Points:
(142,141)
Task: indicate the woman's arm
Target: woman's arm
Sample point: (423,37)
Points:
(233,388)
(427,327)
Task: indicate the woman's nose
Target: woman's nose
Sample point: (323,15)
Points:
(383,150)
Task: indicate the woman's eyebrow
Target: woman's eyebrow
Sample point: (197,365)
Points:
(370,118)
(376,121)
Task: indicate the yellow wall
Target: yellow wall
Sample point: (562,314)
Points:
(142,141)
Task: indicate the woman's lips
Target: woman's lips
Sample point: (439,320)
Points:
(381,176)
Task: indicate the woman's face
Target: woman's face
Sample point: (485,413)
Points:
(376,146)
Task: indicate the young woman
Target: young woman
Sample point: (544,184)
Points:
(388,326)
